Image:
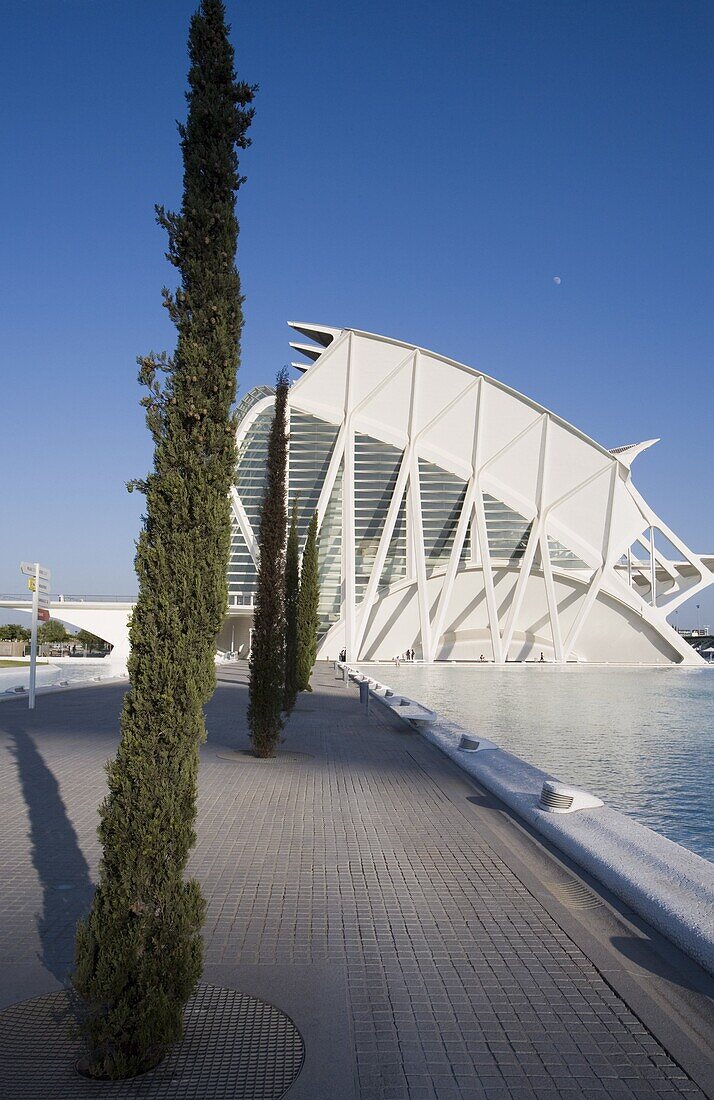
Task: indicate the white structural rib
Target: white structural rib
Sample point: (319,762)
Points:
(415,521)
(348,512)
(465,518)
(394,504)
(546,563)
(384,542)
(238,509)
(534,541)
(597,581)
(629,452)
(311,351)
(245,527)
(321,334)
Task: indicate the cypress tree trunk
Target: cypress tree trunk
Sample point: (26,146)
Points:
(267,654)
(292,588)
(139,953)
(307,609)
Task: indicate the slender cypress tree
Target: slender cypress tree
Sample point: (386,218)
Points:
(267,654)
(307,609)
(292,591)
(139,953)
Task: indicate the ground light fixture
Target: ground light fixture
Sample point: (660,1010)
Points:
(475,744)
(557,798)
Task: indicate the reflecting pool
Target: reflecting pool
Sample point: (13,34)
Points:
(640,739)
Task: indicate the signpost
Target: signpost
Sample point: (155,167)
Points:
(38,582)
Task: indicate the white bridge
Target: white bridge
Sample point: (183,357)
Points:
(108,618)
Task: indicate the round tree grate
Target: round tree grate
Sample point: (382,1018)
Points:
(235,1047)
(240,756)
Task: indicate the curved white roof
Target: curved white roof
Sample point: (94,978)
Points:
(484,502)
(325,336)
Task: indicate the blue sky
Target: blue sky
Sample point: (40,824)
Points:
(419,170)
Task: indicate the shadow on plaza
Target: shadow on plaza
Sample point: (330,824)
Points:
(61,868)
(361,744)
(649,951)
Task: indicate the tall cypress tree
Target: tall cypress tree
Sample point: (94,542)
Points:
(267,653)
(292,590)
(307,609)
(139,953)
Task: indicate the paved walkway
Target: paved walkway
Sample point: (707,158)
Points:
(356,886)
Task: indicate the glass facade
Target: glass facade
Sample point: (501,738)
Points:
(507,530)
(395,563)
(562,558)
(242,573)
(311,444)
(252,397)
(329,557)
(250,483)
(376,468)
(442,498)
(251,469)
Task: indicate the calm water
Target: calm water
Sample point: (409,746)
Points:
(640,739)
(79,669)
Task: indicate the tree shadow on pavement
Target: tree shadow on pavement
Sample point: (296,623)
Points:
(67,888)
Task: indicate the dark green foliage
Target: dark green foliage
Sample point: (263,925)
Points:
(86,638)
(139,953)
(52,631)
(13,632)
(307,609)
(292,590)
(267,654)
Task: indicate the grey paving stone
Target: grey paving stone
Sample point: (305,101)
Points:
(449,978)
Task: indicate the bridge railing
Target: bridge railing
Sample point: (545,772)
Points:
(68,597)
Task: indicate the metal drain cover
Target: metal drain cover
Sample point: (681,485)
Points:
(244,755)
(235,1047)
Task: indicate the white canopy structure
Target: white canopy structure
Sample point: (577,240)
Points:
(458,517)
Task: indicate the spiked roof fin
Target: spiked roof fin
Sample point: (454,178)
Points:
(629,452)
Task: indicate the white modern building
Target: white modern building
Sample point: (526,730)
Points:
(457,518)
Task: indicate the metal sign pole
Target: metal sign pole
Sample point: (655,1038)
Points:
(33,637)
